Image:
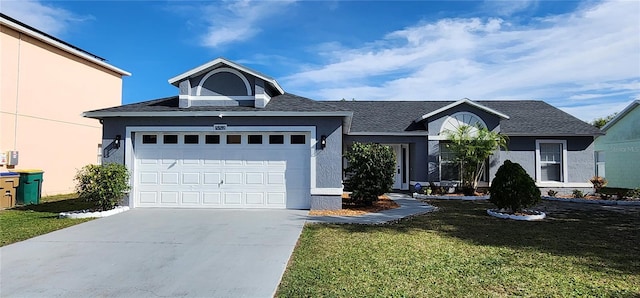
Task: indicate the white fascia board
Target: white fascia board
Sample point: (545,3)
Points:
(214,114)
(229,63)
(619,116)
(62,46)
(459,102)
(373,133)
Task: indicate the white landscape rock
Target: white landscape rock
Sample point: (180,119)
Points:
(537,215)
(88,214)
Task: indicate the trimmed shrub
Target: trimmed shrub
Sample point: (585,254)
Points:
(371,170)
(578,194)
(513,188)
(103,185)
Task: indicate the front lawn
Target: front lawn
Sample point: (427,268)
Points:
(460,251)
(25,222)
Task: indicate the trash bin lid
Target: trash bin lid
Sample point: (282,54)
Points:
(31,171)
(9,174)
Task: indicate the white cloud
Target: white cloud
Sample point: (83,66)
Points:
(507,8)
(564,59)
(233,21)
(47,18)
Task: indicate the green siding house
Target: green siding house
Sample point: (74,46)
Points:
(618,151)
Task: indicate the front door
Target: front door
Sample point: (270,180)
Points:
(402,166)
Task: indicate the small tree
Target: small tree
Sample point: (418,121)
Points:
(371,170)
(601,122)
(103,185)
(513,188)
(472,146)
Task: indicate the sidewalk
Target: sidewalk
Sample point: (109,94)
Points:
(408,207)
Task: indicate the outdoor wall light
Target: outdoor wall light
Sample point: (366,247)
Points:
(116,142)
(323,142)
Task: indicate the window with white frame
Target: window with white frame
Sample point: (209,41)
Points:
(449,167)
(551,160)
(600,156)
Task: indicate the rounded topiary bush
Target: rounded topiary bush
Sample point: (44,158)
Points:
(513,188)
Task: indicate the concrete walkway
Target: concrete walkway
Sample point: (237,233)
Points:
(408,207)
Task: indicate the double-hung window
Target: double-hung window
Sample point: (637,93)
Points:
(551,163)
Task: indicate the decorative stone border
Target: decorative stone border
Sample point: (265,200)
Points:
(600,202)
(495,213)
(461,198)
(83,214)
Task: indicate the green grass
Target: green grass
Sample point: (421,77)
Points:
(460,251)
(25,222)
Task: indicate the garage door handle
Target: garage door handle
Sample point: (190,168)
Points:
(221,181)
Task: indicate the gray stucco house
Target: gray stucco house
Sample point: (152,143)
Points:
(233,138)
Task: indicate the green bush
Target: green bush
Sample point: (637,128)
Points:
(103,185)
(513,188)
(578,194)
(371,170)
(552,193)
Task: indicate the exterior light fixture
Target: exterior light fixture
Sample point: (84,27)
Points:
(323,142)
(116,142)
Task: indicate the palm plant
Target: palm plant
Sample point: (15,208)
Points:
(472,146)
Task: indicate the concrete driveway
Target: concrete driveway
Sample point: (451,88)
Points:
(156,252)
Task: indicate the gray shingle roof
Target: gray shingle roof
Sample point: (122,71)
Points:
(282,103)
(527,117)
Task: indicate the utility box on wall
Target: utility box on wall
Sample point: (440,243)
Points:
(12,158)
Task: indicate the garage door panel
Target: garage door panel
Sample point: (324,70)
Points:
(190,198)
(255,178)
(148,178)
(169,197)
(221,175)
(148,197)
(232,198)
(211,198)
(275,179)
(212,178)
(276,198)
(191,178)
(255,198)
(169,178)
(232,178)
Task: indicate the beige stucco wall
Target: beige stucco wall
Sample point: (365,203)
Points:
(44,91)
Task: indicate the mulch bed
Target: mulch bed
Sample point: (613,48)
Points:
(349,209)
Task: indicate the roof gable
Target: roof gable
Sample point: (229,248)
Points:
(460,102)
(218,62)
(620,115)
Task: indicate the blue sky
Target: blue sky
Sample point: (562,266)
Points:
(580,56)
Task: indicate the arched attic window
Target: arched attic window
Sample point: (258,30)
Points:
(224,81)
(457,120)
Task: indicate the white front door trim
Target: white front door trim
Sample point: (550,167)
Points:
(130,152)
(401,168)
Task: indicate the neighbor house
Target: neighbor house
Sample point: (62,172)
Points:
(618,152)
(233,138)
(46,84)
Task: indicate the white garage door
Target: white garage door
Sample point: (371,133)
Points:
(224,170)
